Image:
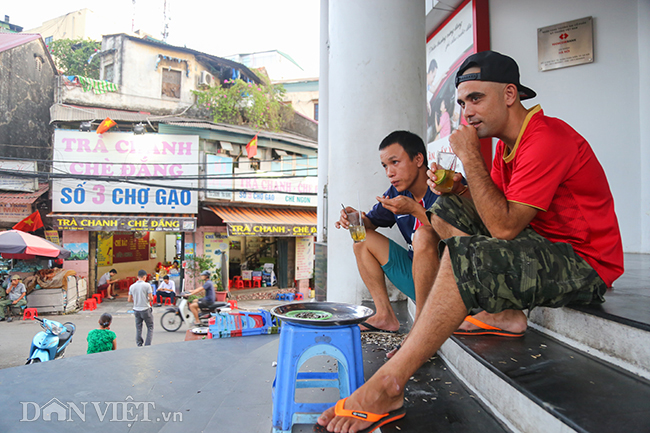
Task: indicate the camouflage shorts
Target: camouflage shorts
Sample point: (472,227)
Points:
(523,273)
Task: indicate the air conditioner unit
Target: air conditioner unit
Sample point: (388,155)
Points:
(206,79)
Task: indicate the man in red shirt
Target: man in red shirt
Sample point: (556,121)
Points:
(540,230)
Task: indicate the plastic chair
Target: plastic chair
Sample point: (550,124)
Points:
(168,301)
(98,298)
(299,297)
(90,304)
(257,283)
(233,303)
(299,343)
(30,313)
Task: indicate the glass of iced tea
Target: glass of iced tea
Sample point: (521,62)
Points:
(446,162)
(357,229)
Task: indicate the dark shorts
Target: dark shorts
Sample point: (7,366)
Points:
(523,273)
(399,269)
(204,303)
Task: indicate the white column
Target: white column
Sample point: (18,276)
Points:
(323,109)
(376,85)
(644,114)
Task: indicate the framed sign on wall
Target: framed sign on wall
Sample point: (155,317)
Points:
(464,33)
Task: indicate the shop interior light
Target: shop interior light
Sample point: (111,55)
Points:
(139,129)
(85,126)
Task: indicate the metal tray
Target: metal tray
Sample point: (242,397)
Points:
(330,313)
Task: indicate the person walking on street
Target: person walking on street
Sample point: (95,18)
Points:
(141,294)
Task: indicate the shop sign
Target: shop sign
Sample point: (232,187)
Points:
(220,179)
(278,230)
(298,191)
(16,183)
(124,223)
(14,212)
(121,172)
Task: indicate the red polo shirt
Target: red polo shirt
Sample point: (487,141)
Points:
(553,169)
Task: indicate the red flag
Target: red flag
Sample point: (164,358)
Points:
(30,224)
(251,147)
(106,124)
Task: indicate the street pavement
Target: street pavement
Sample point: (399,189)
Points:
(16,337)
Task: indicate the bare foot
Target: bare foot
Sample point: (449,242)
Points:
(508,320)
(379,395)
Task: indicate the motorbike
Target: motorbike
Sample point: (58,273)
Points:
(51,342)
(175,316)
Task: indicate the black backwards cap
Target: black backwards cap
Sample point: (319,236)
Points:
(494,67)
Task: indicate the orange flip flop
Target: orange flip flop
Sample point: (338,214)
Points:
(376,419)
(485,329)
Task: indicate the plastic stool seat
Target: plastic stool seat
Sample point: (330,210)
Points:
(168,301)
(90,304)
(30,313)
(98,298)
(298,344)
(257,284)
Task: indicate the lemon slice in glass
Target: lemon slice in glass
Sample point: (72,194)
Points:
(441,175)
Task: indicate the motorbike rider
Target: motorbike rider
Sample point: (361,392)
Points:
(207,299)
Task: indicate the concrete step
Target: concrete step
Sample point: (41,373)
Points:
(538,384)
(622,344)
(579,369)
(617,331)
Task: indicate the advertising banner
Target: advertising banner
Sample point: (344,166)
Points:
(464,33)
(123,223)
(446,50)
(278,190)
(105,249)
(219,183)
(17,183)
(121,172)
(304,258)
(235,229)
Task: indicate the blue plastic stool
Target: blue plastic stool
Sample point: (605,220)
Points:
(299,343)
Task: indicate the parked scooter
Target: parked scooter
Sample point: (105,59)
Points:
(174,317)
(51,342)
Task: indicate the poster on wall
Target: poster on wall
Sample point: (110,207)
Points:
(130,247)
(78,251)
(105,249)
(158,173)
(304,258)
(52,236)
(464,33)
(215,246)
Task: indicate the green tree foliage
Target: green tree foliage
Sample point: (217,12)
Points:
(237,102)
(76,57)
